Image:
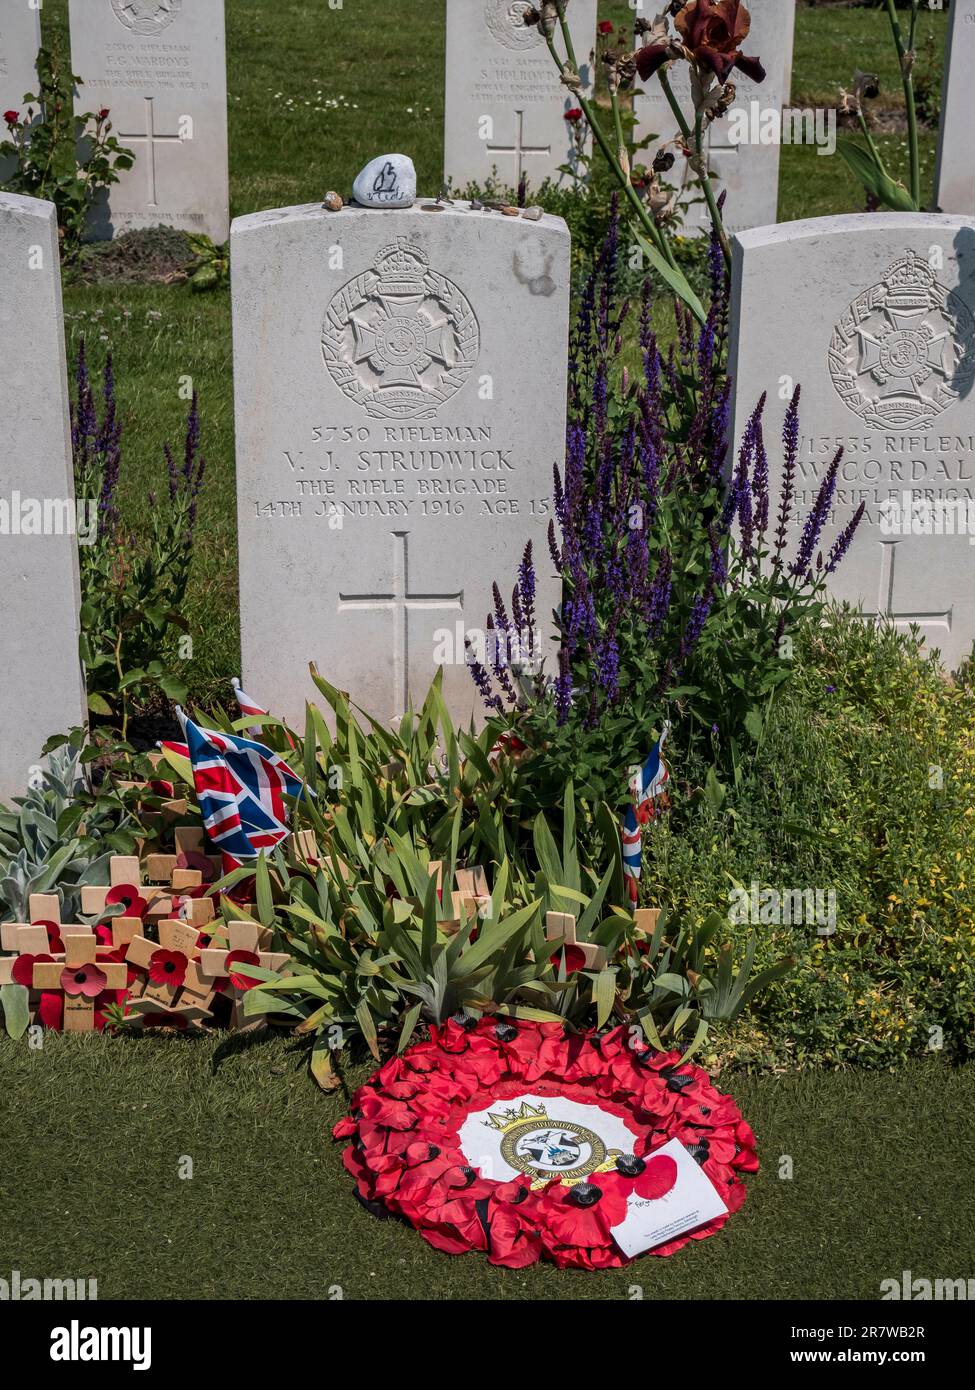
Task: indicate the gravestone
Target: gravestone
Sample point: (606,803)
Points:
(871,315)
(400,382)
(20,38)
(41,691)
(749,170)
(955,177)
(160,68)
(504,106)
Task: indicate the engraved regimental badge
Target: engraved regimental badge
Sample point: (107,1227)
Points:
(506,21)
(400,339)
(545,1148)
(147,16)
(905,349)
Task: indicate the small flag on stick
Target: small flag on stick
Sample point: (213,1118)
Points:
(647,783)
(250,706)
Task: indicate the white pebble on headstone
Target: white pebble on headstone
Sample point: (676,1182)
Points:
(872,315)
(400,387)
(504,103)
(41,690)
(955,177)
(388,181)
(749,170)
(160,68)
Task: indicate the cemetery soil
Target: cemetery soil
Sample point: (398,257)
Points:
(103,1127)
(304,117)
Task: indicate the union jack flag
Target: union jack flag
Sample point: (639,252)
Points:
(647,783)
(240,786)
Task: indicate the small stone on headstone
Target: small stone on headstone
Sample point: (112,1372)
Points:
(333,202)
(389,181)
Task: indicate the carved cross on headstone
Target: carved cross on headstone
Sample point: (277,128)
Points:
(519,149)
(401,603)
(885,607)
(150,139)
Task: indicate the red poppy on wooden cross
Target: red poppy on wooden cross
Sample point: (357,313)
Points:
(171,985)
(47,942)
(81,976)
(579,955)
(247,944)
(125,887)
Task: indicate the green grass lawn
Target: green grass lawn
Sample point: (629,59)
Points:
(95,1129)
(313,93)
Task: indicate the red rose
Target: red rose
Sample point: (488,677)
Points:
(103,116)
(575,114)
(605,26)
(11,117)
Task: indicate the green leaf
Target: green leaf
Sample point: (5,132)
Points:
(321,1064)
(265,898)
(673,277)
(99,705)
(16,1016)
(604,994)
(173,689)
(714,792)
(874,178)
(409,1024)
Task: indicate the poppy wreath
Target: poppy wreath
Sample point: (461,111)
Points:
(411,1120)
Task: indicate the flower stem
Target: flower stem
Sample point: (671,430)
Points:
(623,179)
(905,54)
(695,138)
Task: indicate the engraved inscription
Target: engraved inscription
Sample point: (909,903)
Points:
(146,16)
(905,349)
(505,20)
(400,339)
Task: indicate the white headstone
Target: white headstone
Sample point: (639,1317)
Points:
(955,177)
(504,105)
(749,171)
(871,315)
(41,691)
(400,383)
(160,67)
(20,38)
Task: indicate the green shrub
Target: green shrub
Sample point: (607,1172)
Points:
(843,794)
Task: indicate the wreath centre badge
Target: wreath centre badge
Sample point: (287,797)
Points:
(400,339)
(545,1139)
